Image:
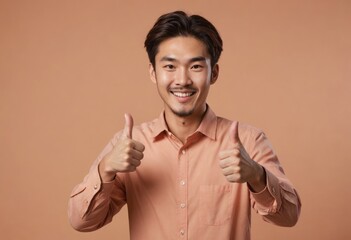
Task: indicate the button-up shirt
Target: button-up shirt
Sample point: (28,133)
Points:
(179,190)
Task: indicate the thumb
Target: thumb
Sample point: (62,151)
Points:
(234,133)
(128,126)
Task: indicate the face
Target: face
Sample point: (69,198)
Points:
(183,75)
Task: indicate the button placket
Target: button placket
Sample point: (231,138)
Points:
(183,190)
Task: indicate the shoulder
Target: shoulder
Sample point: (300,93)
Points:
(245,129)
(253,138)
(140,131)
(148,129)
(148,126)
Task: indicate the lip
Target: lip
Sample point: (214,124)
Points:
(183,96)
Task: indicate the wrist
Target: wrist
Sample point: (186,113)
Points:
(258,182)
(105,175)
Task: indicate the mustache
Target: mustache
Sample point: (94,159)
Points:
(180,89)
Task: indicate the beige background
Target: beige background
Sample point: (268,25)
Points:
(70,69)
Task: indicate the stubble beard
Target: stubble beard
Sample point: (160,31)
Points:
(183,113)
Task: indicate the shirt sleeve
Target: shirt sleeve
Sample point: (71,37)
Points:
(278,202)
(92,203)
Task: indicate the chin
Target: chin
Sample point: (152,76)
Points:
(183,113)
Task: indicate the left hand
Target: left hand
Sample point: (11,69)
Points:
(237,166)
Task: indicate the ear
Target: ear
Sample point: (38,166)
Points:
(214,74)
(152,73)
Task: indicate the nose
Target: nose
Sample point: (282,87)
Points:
(183,77)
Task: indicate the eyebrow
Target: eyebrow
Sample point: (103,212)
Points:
(194,59)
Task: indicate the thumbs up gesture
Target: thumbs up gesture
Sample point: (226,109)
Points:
(125,155)
(237,166)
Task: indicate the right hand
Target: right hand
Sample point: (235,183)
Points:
(125,155)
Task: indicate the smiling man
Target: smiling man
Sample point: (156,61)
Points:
(183,74)
(188,174)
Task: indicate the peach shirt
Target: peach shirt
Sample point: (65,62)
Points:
(179,191)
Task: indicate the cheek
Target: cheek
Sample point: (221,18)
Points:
(202,80)
(164,78)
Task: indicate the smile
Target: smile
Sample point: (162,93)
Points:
(183,94)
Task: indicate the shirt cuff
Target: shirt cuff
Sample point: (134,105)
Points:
(106,187)
(91,187)
(268,200)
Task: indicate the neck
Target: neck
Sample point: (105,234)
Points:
(183,127)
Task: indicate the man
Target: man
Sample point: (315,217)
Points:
(188,174)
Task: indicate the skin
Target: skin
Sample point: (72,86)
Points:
(125,156)
(183,76)
(238,167)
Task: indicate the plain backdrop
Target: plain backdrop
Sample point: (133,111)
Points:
(69,69)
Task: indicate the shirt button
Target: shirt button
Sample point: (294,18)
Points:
(182,182)
(183,152)
(96,187)
(182,205)
(182,232)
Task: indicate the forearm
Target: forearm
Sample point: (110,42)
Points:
(92,203)
(278,203)
(89,211)
(287,215)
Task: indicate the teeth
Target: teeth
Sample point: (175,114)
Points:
(181,94)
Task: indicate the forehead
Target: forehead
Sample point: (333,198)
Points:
(182,48)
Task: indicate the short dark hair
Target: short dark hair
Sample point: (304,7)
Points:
(178,23)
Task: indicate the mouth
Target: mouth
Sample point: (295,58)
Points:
(182,94)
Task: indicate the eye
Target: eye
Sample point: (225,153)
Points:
(169,67)
(197,67)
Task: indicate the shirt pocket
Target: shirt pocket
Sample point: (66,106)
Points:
(215,204)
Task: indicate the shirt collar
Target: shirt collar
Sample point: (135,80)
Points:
(208,125)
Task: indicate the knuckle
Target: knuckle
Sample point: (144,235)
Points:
(126,165)
(221,164)
(229,170)
(230,178)
(128,151)
(234,178)
(142,148)
(125,157)
(225,163)
(126,143)
(236,152)
(130,145)
(236,161)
